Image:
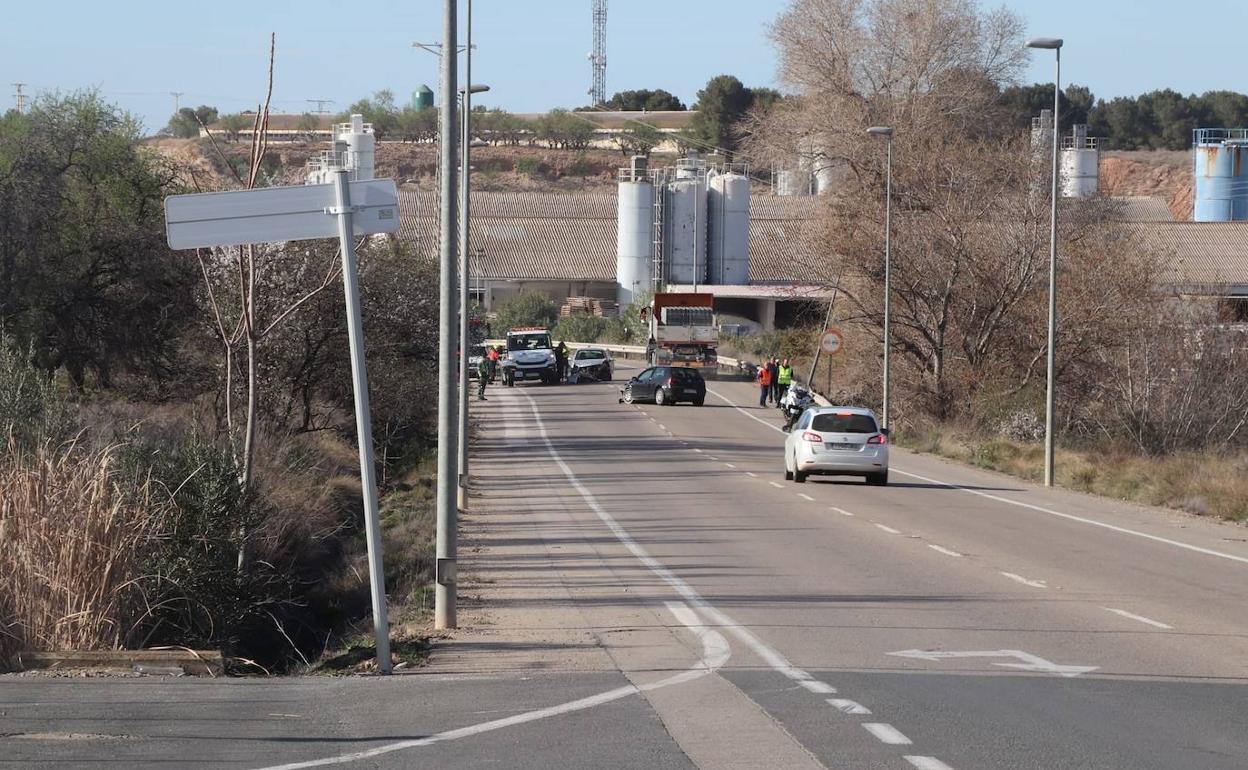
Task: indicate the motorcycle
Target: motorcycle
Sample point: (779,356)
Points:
(797,399)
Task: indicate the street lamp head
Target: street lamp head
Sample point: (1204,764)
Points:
(476,88)
(1050,43)
(884,131)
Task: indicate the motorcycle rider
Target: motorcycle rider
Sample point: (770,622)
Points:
(796,400)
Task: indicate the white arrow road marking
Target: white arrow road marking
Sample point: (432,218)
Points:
(886,733)
(847,706)
(715,653)
(945,551)
(928,763)
(1029,662)
(1140,618)
(1025,581)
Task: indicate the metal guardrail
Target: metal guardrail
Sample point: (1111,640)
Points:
(624,350)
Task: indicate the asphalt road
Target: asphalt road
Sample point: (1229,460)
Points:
(641,588)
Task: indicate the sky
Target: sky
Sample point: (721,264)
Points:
(532,53)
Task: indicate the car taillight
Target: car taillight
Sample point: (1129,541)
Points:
(813,438)
(880,439)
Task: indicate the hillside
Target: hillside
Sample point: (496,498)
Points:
(1156,173)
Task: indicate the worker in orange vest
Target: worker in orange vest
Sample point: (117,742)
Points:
(764,384)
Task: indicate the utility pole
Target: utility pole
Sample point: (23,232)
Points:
(19,97)
(320,105)
(465,153)
(598,59)
(177,100)
(447,534)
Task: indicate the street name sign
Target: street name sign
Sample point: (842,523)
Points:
(273,214)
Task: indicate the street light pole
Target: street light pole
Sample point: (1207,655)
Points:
(1055,45)
(887,133)
(465,95)
(447,512)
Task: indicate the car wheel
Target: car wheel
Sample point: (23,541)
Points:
(788,474)
(628,395)
(660,398)
(606,377)
(800,477)
(878,479)
(699,401)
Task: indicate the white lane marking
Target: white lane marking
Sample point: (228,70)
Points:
(1028,662)
(817,687)
(841,511)
(846,706)
(751,474)
(945,551)
(662,427)
(730,465)
(699,451)
(712,457)
(776,484)
(1025,581)
(1140,618)
(886,733)
(928,763)
(1031,506)
(1080,519)
(889,530)
(805,496)
(715,654)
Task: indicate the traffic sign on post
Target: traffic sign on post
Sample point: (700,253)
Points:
(273,214)
(831,342)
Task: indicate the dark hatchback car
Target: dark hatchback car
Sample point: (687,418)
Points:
(666,385)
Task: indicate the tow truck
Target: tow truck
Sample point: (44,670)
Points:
(530,356)
(683,332)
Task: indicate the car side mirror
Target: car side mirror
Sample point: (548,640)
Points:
(633,379)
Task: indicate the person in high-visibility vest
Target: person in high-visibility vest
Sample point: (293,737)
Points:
(784,378)
(763,378)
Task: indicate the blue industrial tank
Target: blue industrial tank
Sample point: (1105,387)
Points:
(1221,166)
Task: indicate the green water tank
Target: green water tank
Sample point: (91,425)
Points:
(422,98)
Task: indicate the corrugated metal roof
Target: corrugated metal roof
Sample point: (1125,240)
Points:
(1143,208)
(1200,255)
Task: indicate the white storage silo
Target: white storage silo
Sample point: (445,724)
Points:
(728,245)
(361,147)
(1080,161)
(792,182)
(634,245)
(684,229)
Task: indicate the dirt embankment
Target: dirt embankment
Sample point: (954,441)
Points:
(1157,173)
(494,168)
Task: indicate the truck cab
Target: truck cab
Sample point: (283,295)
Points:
(530,356)
(684,332)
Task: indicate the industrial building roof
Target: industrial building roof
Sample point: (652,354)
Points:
(1201,257)
(572,236)
(1143,208)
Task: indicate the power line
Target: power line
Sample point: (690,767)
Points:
(177,100)
(320,104)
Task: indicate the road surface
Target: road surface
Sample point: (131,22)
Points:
(641,588)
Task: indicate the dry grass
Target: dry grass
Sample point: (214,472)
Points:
(70,540)
(1204,483)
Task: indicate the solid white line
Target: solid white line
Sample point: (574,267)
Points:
(1080,519)
(1025,581)
(944,550)
(1031,506)
(776,484)
(1140,618)
(817,687)
(847,706)
(805,496)
(715,654)
(928,763)
(886,733)
(889,530)
(841,511)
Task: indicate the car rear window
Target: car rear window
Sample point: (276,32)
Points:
(831,422)
(686,375)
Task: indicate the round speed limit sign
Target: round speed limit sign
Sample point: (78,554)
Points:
(831,341)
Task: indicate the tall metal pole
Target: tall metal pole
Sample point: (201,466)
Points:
(363,424)
(1049,412)
(888,272)
(464,152)
(444,592)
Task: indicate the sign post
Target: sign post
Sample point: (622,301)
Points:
(830,342)
(274,214)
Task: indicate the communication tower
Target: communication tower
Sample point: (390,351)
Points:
(19,97)
(598,59)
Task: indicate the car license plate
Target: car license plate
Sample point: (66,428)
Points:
(691,391)
(842,446)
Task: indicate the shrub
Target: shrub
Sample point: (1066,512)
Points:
(526,309)
(32,409)
(581,328)
(530,167)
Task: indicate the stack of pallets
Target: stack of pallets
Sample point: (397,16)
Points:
(578,306)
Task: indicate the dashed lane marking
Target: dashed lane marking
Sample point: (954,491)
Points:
(751,474)
(945,551)
(886,733)
(1025,581)
(889,530)
(805,496)
(730,465)
(927,763)
(841,511)
(1140,618)
(817,687)
(776,484)
(846,706)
